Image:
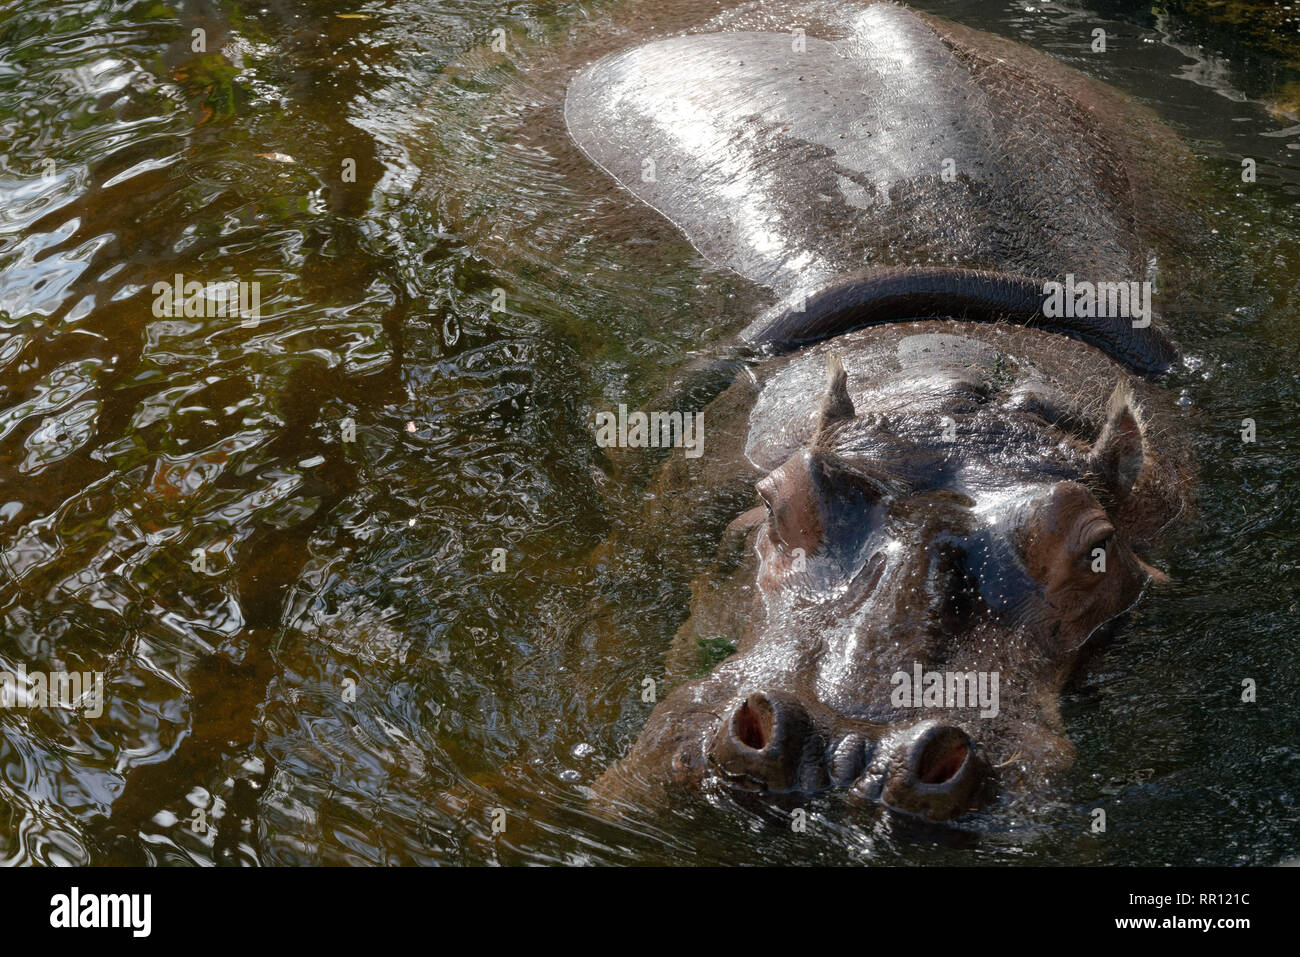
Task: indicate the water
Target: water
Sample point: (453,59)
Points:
(344,677)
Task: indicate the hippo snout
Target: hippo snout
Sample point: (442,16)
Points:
(762,741)
(767,742)
(934,771)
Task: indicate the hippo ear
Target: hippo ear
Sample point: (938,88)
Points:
(1119,452)
(836,405)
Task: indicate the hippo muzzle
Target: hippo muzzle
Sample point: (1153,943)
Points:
(768,743)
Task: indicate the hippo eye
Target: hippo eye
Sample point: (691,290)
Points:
(791,501)
(768,493)
(1098,534)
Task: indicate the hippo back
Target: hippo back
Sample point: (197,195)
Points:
(792,159)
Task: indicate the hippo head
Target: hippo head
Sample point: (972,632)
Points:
(924,580)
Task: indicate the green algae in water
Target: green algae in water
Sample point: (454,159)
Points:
(711,652)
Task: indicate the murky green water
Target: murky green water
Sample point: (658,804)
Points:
(344,677)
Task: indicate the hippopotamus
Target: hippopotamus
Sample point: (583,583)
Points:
(954,481)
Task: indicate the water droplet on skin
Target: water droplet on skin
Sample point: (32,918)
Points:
(570,777)
(582,750)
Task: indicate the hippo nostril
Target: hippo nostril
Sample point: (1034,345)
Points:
(942,759)
(752,722)
(936,772)
(763,742)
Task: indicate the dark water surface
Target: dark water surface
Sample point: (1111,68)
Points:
(336,570)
